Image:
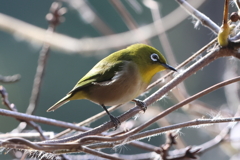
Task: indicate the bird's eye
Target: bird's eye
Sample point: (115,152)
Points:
(154,57)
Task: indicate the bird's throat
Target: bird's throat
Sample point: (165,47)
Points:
(148,73)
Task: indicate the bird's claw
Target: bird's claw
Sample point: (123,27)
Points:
(115,121)
(140,104)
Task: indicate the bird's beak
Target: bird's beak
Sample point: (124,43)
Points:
(168,67)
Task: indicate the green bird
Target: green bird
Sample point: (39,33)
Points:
(119,78)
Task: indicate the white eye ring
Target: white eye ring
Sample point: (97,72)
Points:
(154,57)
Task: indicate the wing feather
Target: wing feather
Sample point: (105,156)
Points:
(100,74)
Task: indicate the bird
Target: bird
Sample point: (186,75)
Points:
(118,78)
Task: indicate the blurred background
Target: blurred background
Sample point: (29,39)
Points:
(88,19)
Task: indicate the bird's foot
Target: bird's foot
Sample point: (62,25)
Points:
(140,104)
(115,121)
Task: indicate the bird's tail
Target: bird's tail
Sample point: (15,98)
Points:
(59,103)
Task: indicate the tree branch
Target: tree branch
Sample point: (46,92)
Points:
(54,18)
(163,114)
(10,79)
(74,45)
(39,119)
(207,22)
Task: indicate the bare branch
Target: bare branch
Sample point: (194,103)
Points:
(92,17)
(10,79)
(54,18)
(191,58)
(207,22)
(156,16)
(13,108)
(163,114)
(70,44)
(88,121)
(40,119)
(216,140)
(26,135)
(99,154)
(125,15)
(5,100)
(193,123)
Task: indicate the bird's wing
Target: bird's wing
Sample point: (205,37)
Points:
(100,74)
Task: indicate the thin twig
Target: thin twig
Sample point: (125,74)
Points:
(135,6)
(19,142)
(99,154)
(4,95)
(163,38)
(193,123)
(30,135)
(39,119)
(190,59)
(207,22)
(13,108)
(10,79)
(92,17)
(216,140)
(87,121)
(24,156)
(54,18)
(126,16)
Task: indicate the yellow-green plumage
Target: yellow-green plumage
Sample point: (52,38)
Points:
(118,78)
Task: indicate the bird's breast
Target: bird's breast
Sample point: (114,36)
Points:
(126,85)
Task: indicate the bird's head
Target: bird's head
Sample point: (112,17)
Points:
(149,60)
